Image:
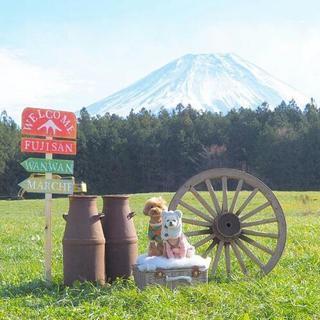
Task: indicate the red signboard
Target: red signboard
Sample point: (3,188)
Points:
(49,123)
(33,145)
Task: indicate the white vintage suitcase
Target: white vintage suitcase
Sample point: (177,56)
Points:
(170,277)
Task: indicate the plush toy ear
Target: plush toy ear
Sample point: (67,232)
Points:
(164,214)
(178,213)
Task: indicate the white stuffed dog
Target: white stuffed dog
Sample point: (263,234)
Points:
(175,244)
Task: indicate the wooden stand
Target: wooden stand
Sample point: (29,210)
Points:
(48,123)
(48,229)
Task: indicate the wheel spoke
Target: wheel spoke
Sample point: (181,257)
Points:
(227,257)
(258,222)
(197,232)
(213,196)
(195,211)
(237,253)
(255,211)
(235,197)
(217,257)
(197,222)
(256,244)
(248,252)
(203,241)
(224,194)
(251,196)
(260,234)
(210,248)
(202,201)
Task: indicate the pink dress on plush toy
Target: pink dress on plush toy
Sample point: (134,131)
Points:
(180,250)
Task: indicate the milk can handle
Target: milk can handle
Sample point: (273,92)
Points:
(130,215)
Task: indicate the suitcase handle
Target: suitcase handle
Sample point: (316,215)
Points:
(185,278)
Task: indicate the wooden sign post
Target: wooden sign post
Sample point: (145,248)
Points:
(48,227)
(48,123)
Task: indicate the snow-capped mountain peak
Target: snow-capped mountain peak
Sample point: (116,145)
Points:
(215,82)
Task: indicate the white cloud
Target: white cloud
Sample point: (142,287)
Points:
(25,84)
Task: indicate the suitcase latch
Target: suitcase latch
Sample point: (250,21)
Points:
(195,272)
(159,273)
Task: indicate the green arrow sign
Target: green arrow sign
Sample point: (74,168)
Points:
(45,165)
(42,185)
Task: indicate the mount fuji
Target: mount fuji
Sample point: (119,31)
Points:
(214,82)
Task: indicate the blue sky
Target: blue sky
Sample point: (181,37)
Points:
(68,54)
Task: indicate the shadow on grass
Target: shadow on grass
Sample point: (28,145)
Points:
(61,294)
(37,294)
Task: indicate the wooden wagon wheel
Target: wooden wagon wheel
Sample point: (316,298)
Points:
(229,227)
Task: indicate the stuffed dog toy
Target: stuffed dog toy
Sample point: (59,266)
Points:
(153,208)
(175,243)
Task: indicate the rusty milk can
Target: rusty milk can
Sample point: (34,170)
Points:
(83,242)
(120,235)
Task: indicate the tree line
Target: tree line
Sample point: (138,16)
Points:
(145,152)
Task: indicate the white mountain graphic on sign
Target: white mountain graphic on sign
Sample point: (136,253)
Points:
(50,125)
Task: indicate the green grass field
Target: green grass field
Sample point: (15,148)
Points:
(290,291)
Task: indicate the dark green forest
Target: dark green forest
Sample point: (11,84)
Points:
(147,153)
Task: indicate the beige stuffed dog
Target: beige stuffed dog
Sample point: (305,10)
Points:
(153,208)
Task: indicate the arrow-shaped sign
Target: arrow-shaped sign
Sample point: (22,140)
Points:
(44,165)
(42,185)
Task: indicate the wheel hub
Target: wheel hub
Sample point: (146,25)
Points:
(227,225)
